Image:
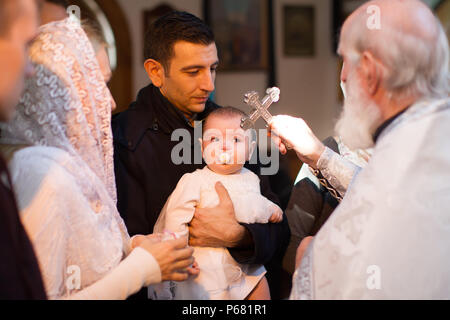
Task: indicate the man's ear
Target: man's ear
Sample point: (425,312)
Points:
(371,71)
(251,149)
(155,72)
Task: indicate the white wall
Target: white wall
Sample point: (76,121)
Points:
(308,85)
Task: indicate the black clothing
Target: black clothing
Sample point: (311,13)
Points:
(20,277)
(308,209)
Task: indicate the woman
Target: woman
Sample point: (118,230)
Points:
(65,182)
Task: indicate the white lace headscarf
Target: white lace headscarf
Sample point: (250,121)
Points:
(66,104)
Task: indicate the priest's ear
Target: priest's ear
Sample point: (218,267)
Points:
(155,71)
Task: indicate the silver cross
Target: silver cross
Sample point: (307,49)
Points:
(259,109)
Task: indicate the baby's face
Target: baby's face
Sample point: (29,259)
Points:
(225,145)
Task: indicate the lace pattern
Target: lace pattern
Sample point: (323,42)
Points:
(66,103)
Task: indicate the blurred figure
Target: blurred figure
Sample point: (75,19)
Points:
(19,271)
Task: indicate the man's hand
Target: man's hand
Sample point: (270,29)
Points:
(301,251)
(218,227)
(174,257)
(286,130)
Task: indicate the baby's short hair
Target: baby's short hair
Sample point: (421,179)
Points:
(227,112)
(224,112)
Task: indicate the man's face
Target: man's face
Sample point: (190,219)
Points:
(14,63)
(190,79)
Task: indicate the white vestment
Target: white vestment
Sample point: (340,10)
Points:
(221,277)
(390,236)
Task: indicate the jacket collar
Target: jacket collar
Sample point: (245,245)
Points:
(152,111)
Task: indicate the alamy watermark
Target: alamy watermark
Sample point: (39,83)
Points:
(267,156)
(73,282)
(373,281)
(374,20)
(74,12)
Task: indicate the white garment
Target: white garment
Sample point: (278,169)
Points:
(72,236)
(65,184)
(221,277)
(390,236)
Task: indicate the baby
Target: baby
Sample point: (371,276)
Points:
(225,148)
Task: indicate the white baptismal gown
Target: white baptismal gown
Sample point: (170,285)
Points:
(221,277)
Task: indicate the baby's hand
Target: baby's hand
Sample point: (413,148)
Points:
(276,217)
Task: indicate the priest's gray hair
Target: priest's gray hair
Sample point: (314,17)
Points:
(414,64)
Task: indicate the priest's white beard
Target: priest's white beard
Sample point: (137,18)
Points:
(359,118)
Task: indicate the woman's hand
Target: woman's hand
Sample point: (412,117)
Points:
(174,257)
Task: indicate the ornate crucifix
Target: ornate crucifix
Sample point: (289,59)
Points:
(259,108)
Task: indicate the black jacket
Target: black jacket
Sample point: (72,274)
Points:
(146,175)
(20,278)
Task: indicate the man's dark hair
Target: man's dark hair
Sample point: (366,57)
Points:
(171,28)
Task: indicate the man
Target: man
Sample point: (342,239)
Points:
(181,61)
(389,238)
(19,271)
(53,10)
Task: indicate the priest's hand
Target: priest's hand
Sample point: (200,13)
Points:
(174,257)
(218,227)
(301,251)
(295,133)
